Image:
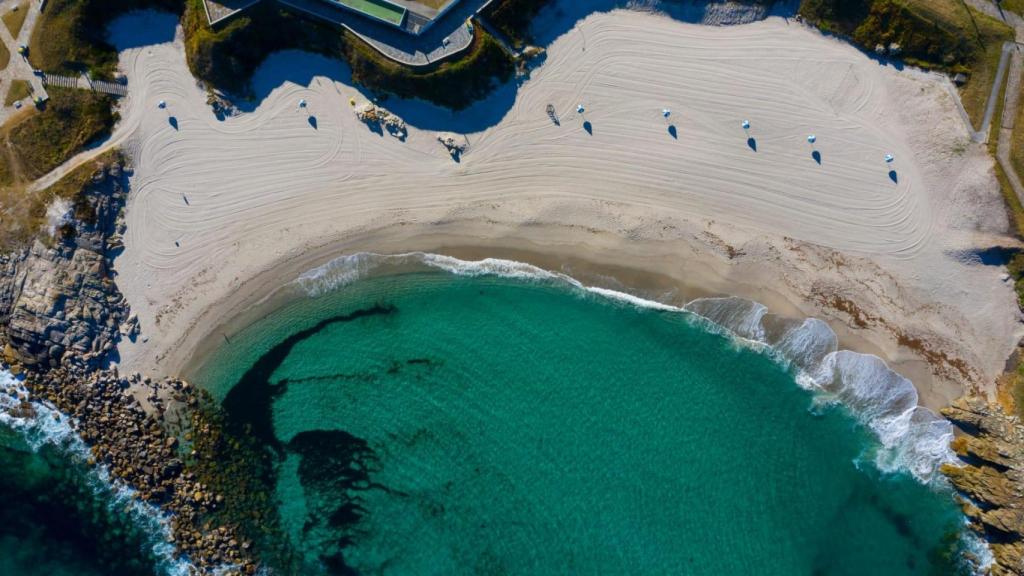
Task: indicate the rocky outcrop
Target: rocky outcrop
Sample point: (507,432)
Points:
(991,481)
(59,301)
(375,116)
(137,443)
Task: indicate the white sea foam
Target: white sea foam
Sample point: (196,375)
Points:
(911,438)
(42,425)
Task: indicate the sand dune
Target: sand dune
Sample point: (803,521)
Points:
(217,202)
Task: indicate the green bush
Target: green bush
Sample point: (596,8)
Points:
(70,35)
(226,58)
(513,17)
(71,120)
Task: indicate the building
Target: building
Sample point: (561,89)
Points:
(411,16)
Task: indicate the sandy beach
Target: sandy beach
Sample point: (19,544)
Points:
(222,212)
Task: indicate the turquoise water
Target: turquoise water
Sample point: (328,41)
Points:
(429,423)
(61,517)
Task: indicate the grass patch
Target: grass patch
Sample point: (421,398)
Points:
(18,90)
(935,34)
(386,11)
(1017,140)
(71,120)
(227,57)
(23,213)
(1012,5)
(70,35)
(15,19)
(5,56)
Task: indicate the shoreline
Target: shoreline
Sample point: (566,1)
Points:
(616,268)
(891,264)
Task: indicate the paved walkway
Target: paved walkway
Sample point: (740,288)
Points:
(19,68)
(1011,101)
(445,38)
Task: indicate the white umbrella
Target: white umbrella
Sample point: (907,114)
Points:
(889,158)
(746,124)
(666,112)
(162,104)
(302,103)
(812,138)
(580,109)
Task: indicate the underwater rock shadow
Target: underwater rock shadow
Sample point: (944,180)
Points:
(250,401)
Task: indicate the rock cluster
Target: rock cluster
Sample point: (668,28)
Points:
(134,444)
(991,481)
(61,299)
(454,144)
(377,116)
(60,315)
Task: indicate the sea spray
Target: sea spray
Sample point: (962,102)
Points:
(40,426)
(912,438)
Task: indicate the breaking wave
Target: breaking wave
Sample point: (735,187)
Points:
(42,426)
(912,438)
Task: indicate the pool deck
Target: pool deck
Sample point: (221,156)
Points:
(419,43)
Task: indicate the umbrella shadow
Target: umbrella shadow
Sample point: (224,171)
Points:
(817,157)
(173,121)
(672,131)
(752,143)
(312,122)
(588,127)
(894,177)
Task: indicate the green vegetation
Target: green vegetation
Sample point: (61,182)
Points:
(1012,5)
(453,84)
(71,120)
(513,17)
(938,34)
(18,90)
(23,213)
(1017,142)
(34,142)
(378,9)
(70,35)
(227,57)
(15,19)
(5,56)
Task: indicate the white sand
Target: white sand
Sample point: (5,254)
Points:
(269,195)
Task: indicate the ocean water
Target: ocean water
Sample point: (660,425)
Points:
(488,418)
(61,517)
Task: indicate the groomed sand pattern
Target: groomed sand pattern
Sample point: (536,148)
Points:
(848,202)
(215,202)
